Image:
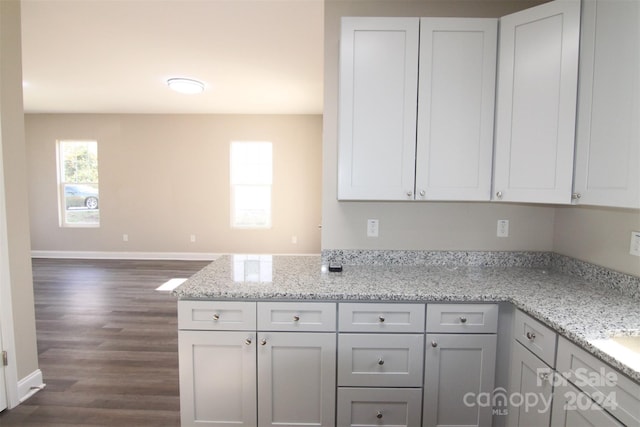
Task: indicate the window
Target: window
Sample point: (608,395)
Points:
(251,179)
(78,183)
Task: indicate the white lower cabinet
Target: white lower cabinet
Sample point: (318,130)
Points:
(217,378)
(257,377)
(572,408)
(296,378)
(379,407)
(459,369)
(530,389)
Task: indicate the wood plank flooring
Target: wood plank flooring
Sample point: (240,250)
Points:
(107,344)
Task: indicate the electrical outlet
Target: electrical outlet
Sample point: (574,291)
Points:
(192,238)
(634,248)
(503,228)
(372,227)
(125,237)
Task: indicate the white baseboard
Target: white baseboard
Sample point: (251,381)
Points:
(30,385)
(186,256)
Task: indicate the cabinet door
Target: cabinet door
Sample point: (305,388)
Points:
(377,108)
(456,108)
(529,379)
(458,368)
(572,408)
(217,378)
(296,379)
(536,104)
(608,131)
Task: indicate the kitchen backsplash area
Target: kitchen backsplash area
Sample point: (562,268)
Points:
(624,283)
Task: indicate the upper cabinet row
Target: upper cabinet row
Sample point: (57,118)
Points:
(420,99)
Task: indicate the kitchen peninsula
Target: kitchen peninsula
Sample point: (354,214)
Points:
(265,298)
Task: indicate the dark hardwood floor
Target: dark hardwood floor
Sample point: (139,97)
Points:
(107,344)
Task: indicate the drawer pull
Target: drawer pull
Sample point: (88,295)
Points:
(463,319)
(381,361)
(263,341)
(379,415)
(248,341)
(381,318)
(434,344)
(544,376)
(530,336)
(296,318)
(216,316)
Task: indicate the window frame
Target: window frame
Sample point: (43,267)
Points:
(249,184)
(61,183)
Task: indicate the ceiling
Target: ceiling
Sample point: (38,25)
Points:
(114,56)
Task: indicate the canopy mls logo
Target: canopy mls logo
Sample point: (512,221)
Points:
(500,400)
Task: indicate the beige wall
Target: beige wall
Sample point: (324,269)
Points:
(600,236)
(16,262)
(165,177)
(433,226)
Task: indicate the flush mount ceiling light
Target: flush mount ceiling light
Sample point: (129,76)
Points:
(188,86)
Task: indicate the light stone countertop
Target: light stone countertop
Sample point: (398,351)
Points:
(580,310)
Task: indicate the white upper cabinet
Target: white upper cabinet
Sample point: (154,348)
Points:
(536,103)
(608,131)
(378,155)
(377,116)
(456,108)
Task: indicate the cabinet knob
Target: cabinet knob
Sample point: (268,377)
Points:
(216,316)
(409,193)
(499,194)
(434,344)
(381,361)
(263,341)
(248,341)
(576,196)
(463,319)
(422,193)
(379,415)
(381,318)
(544,376)
(530,336)
(296,318)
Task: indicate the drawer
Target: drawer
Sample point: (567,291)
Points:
(379,407)
(387,317)
(380,360)
(217,315)
(462,318)
(535,336)
(600,381)
(296,316)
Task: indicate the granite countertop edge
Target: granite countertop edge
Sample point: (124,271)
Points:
(574,308)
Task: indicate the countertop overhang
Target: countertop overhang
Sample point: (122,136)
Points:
(580,310)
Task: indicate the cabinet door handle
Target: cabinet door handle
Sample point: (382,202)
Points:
(434,344)
(544,376)
(530,336)
(380,361)
(422,193)
(381,318)
(576,196)
(248,341)
(409,193)
(216,316)
(379,415)
(296,318)
(499,194)
(463,319)
(263,341)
